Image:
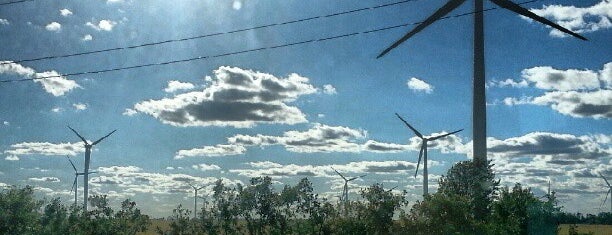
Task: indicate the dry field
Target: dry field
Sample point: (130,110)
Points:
(596,229)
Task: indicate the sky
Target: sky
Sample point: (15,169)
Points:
(258,103)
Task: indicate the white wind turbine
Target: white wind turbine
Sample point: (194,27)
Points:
(344,197)
(195,198)
(423,152)
(607,193)
(75,185)
(88,147)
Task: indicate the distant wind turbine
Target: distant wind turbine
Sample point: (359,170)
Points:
(607,193)
(75,185)
(195,198)
(479,117)
(87,160)
(345,187)
(424,150)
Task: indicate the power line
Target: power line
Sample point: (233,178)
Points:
(249,50)
(207,35)
(15,2)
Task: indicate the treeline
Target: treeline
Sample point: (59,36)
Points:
(468,201)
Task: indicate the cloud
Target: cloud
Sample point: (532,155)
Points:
(578,19)
(554,145)
(235,97)
(102,25)
(87,37)
(320,138)
(65,12)
(4,22)
(53,26)
(174,86)
(577,93)
(45,148)
(375,146)
(129,112)
(206,167)
(56,85)
(329,89)
(278,170)
(11,158)
(115,1)
(548,78)
(418,85)
(56,109)
(211,151)
(508,83)
(45,179)
(6,123)
(79,106)
(237,4)
(594,104)
(132,179)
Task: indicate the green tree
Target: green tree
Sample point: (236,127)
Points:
(468,180)
(19,211)
(381,206)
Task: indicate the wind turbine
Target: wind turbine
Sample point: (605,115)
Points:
(195,199)
(344,197)
(607,193)
(75,185)
(424,150)
(87,160)
(479,117)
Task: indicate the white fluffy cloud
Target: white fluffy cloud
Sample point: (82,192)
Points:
(87,37)
(53,26)
(4,22)
(51,81)
(329,89)
(577,93)
(508,83)
(65,12)
(578,19)
(235,97)
(79,106)
(278,170)
(45,148)
(211,151)
(548,78)
(419,85)
(206,167)
(45,179)
(102,25)
(174,86)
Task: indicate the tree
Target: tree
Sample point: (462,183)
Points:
(380,208)
(19,211)
(467,179)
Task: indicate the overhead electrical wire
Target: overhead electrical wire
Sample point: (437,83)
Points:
(14,2)
(246,51)
(206,35)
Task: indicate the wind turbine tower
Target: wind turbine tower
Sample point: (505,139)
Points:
(86,173)
(195,198)
(423,152)
(75,185)
(607,193)
(479,118)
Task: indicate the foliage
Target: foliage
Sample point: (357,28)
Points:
(19,211)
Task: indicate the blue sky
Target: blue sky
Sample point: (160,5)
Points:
(295,111)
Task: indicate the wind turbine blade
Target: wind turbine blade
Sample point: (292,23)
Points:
(339,173)
(73,167)
(604,179)
(606,199)
(356,177)
(191,185)
(201,187)
(92,172)
(74,184)
(417,133)
(419,162)
(98,141)
(391,189)
(522,11)
(82,138)
(445,135)
(448,7)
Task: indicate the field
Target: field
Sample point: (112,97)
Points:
(596,229)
